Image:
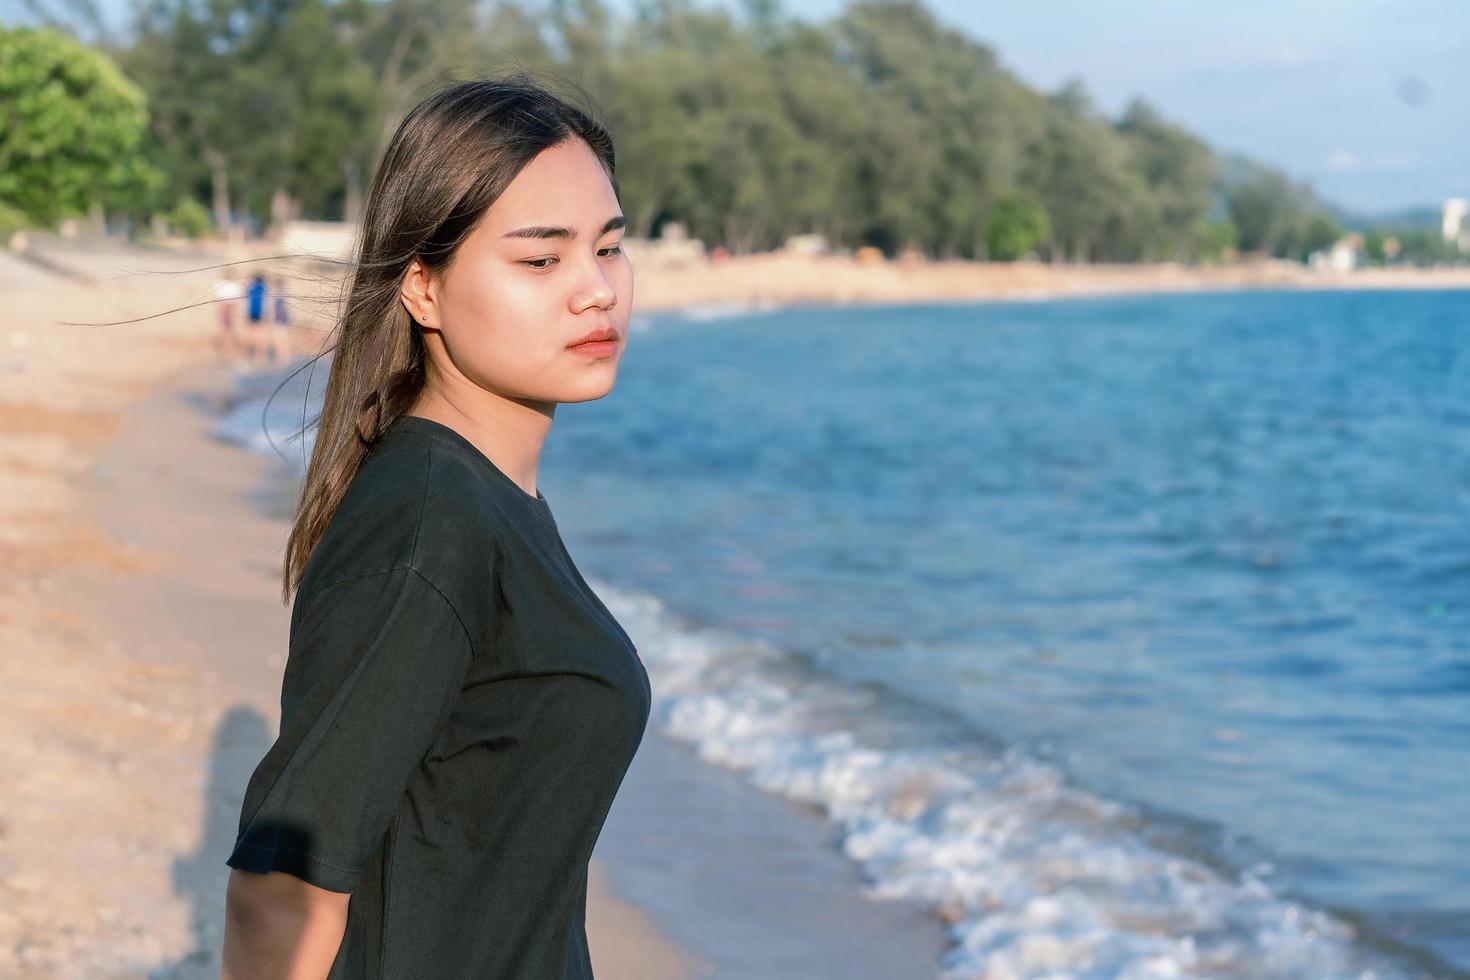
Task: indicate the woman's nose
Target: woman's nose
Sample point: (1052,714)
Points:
(597,290)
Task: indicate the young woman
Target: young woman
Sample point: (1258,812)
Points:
(458,708)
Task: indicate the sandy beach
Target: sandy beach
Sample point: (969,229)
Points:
(776,279)
(139,582)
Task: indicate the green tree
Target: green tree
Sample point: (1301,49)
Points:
(586,35)
(835,138)
(951,126)
(1017,226)
(1373,246)
(1425,246)
(1319,232)
(880,125)
(1266,210)
(182,57)
(1080,171)
(1179,171)
(189,218)
(74,129)
(271,108)
(1213,239)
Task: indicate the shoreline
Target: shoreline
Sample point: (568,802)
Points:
(762,279)
(776,279)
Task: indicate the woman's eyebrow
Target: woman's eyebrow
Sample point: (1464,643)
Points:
(543,231)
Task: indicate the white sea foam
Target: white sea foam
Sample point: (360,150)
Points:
(243,426)
(1035,877)
(276,433)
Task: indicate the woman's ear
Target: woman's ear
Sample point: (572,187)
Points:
(418,294)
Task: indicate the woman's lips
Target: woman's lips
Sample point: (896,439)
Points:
(596,348)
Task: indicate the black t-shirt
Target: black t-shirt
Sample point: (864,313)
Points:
(458,710)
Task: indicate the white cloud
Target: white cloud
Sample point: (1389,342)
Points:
(1387,160)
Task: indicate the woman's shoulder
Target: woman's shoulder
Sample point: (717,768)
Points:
(416,503)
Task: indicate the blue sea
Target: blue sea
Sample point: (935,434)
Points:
(1128,635)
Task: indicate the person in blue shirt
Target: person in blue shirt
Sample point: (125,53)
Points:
(255,295)
(255,315)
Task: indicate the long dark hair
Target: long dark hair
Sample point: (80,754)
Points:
(451,158)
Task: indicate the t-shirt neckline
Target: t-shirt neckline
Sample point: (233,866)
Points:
(430,427)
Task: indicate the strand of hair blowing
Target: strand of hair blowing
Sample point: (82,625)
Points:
(450,159)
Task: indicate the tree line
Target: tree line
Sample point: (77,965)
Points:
(880,126)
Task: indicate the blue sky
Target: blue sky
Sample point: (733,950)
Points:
(1369,100)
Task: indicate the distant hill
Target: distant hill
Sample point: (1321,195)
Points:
(1236,169)
(1405,219)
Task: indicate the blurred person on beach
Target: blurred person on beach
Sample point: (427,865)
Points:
(255,295)
(279,339)
(458,706)
(227,294)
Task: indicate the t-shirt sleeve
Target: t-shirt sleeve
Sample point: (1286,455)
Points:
(374,668)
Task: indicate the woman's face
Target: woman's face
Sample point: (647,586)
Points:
(542,269)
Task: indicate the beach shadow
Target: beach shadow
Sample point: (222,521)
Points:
(240,740)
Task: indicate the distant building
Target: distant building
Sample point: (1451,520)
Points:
(1452,218)
(1342,256)
(673,247)
(812,244)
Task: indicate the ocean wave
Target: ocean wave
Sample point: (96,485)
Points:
(1033,876)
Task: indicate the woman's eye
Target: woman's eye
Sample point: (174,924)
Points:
(544,263)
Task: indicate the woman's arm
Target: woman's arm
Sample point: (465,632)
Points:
(278,927)
(374,670)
